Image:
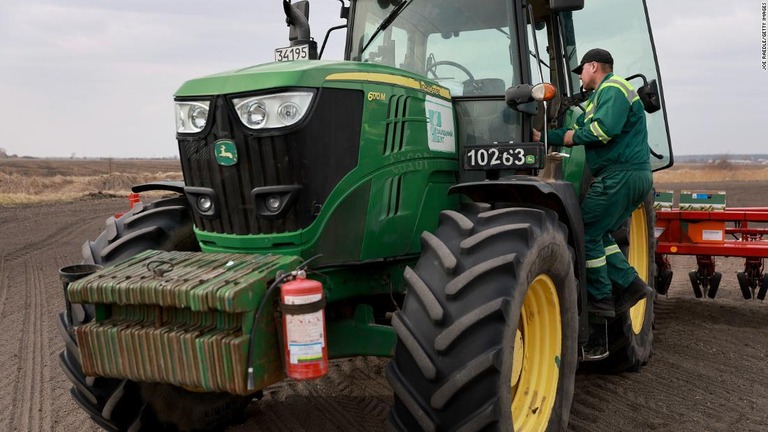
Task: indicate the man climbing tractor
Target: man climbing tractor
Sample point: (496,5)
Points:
(614,133)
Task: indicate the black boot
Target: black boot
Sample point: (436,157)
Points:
(603,307)
(629,296)
(596,347)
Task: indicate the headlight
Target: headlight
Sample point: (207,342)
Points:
(255,114)
(191,117)
(273,111)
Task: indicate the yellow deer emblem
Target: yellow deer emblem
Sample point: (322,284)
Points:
(227,153)
(224,153)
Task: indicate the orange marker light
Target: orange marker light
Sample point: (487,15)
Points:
(543,92)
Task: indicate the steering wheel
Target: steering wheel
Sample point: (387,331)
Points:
(431,69)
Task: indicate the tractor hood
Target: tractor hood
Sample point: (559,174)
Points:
(306,73)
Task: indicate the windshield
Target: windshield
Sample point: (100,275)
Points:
(464,45)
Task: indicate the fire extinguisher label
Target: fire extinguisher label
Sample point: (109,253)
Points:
(304,332)
(302,353)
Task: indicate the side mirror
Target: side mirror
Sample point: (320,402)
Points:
(648,93)
(649,96)
(566,5)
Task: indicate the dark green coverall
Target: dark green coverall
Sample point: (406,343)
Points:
(615,137)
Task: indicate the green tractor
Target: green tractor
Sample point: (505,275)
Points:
(395,198)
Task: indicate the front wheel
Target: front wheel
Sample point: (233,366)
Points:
(487,336)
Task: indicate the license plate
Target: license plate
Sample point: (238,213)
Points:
(299,52)
(504,156)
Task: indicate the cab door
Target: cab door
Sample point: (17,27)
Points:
(624,29)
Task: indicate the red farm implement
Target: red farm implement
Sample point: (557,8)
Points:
(702,226)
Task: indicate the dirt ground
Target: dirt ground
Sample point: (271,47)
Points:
(708,371)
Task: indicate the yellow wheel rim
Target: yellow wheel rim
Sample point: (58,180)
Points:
(638,258)
(536,359)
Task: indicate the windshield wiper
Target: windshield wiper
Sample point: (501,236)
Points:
(386,23)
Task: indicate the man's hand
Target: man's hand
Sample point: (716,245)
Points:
(536,135)
(568,139)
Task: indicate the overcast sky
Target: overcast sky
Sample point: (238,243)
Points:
(97,77)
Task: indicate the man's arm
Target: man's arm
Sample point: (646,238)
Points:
(611,112)
(557,136)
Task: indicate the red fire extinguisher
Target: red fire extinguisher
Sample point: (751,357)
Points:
(304,337)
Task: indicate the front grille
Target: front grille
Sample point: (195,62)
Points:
(315,156)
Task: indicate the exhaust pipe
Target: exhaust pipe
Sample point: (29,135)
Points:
(297,18)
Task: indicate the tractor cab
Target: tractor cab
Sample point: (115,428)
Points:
(481,48)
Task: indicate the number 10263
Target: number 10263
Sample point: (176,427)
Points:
(503,157)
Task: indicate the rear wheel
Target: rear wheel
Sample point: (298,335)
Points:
(122,405)
(487,334)
(630,334)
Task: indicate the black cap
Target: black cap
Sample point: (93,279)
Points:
(594,55)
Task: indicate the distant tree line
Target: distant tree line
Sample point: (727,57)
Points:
(4,154)
(720,158)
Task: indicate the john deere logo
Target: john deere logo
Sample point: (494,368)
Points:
(530,159)
(226,152)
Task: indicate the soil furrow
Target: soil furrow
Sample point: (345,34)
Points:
(24,384)
(11,319)
(707,371)
(4,286)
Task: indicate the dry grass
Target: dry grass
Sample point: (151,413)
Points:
(712,172)
(27,181)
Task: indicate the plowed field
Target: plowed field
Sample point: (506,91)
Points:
(708,371)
